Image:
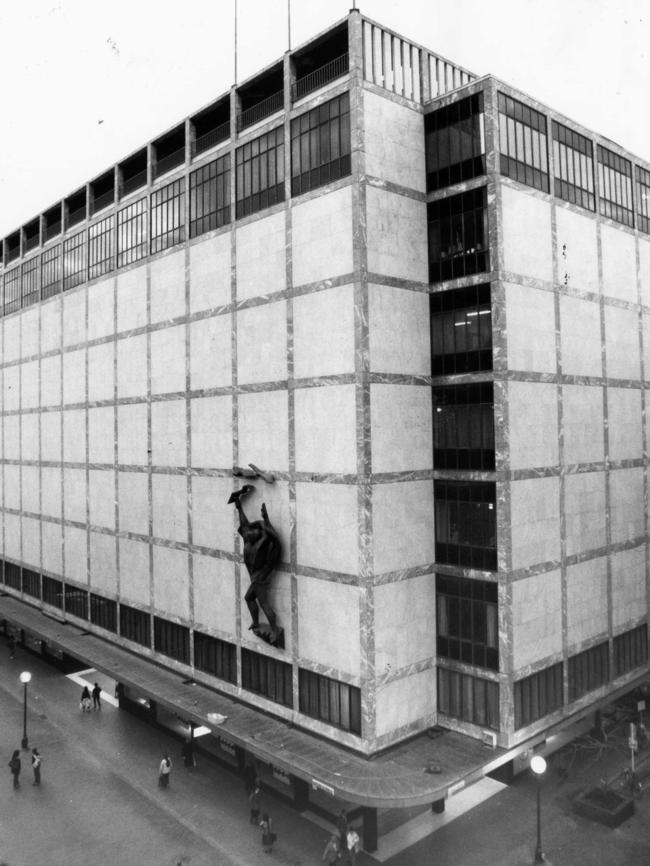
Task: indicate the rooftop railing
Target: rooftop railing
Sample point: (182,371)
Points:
(170,161)
(76,216)
(30,243)
(210,139)
(321,76)
(103,200)
(52,230)
(261,110)
(130,184)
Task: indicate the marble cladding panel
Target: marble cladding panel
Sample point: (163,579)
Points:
(264,430)
(29,385)
(74,377)
(535,525)
(624,423)
(51,499)
(50,435)
(647,426)
(103,563)
(132,298)
(210,353)
(101,498)
(323,332)
(133,502)
(403,701)
(262,343)
(31,546)
(134,571)
(644,269)
(76,554)
(401,428)
(585,512)
(280,601)
(31,487)
(526,227)
(587,605)
(74,316)
(619,264)
(168,360)
(210,273)
(393,314)
(51,381)
(167,298)
(214,594)
(11,444)
(626,504)
(171,581)
(132,367)
(577,249)
(52,547)
(629,594)
(169,433)
(261,259)
(622,343)
(212,518)
(30,437)
(326,527)
(329,624)
(12,546)
(74,494)
(101,435)
(396,235)
(325,429)
(11,340)
(29,339)
(50,326)
(11,389)
(132,434)
(393,142)
(402,525)
(405,607)
(536,618)
(533,435)
(12,486)
(211,432)
(582,421)
(101,309)
(321,233)
(101,372)
(169,505)
(74,436)
(580,337)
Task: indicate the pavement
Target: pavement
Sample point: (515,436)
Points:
(99,802)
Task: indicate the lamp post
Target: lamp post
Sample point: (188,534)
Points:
(538,766)
(25,677)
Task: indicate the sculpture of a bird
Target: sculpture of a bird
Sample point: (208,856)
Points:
(236,495)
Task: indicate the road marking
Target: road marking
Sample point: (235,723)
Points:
(78,678)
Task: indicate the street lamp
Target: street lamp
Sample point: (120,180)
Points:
(538,766)
(25,677)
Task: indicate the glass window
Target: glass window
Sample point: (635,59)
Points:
(210,196)
(171,639)
(455,142)
(267,676)
(132,233)
(76,601)
(588,670)
(468,629)
(458,236)
(30,291)
(12,291)
(135,625)
(469,698)
(463,426)
(31,583)
(74,261)
(260,173)
(52,591)
(615,182)
(320,145)
(522,142)
(51,272)
(168,216)
(12,575)
(461,330)
(330,700)
(643,199)
(100,248)
(466,523)
(538,695)
(216,657)
(103,612)
(630,650)
(574,167)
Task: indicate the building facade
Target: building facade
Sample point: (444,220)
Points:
(420,300)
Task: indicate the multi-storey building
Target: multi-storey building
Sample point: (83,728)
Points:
(421,301)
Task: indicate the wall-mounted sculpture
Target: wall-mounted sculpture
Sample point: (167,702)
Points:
(262,550)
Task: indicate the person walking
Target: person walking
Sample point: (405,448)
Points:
(36,766)
(14,767)
(254,800)
(332,852)
(164,771)
(187,752)
(85,703)
(97,704)
(12,646)
(352,846)
(268,836)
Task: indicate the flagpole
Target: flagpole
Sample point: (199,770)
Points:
(235,41)
(289,24)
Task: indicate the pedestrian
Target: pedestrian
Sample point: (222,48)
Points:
(352,846)
(97,704)
(188,754)
(251,779)
(36,766)
(254,800)
(85,702)
(164,771)
(12,646)
(14,766)
(342,827)
(268,836)
(332,852)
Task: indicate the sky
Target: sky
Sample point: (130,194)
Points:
(85,83)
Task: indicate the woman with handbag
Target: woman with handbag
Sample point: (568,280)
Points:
(268,836)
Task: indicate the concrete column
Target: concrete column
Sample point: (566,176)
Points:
(370,832)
